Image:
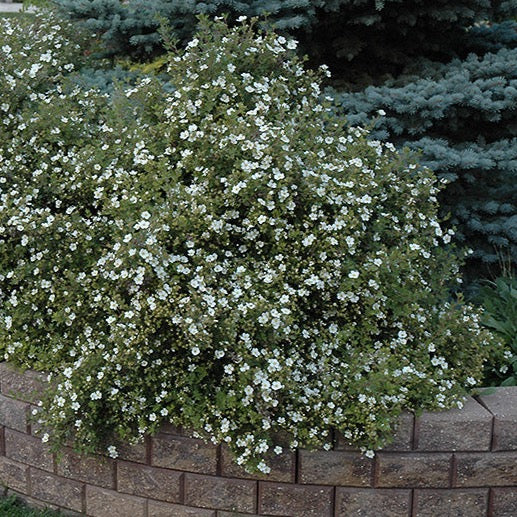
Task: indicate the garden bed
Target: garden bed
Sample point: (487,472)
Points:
(459,462)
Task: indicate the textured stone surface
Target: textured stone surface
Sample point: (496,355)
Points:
(95,470)
(28,449)
(413,470)
(403,435)
(27,386)
(283,467)
(101,502)
(13,413)
(136,452)
(503,406)
(378,502)
(238,495)
(153,482)
(53,489)
(466,429)
(453,503)
(504,502)
(13,474)
(180,453)
(488,469)
(295,500)
(339,468)
(158,509)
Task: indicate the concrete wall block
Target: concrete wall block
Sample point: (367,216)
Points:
(466,429)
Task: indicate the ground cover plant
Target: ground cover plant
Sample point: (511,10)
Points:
(499,301)
(12,507)
(230,256)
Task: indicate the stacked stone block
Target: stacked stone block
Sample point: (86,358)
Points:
(454,463)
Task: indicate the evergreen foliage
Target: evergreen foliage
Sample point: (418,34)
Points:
(462,117)
(373,34)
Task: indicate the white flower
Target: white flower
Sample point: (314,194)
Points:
(353,274)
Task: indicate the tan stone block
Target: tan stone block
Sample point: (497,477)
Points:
(56,490)
(453,503)
(152,482)
(339,468)
(218,493)
(28,449)
(502,404)
(101,502)
(181,453)
(14,474)
(295,500)
(490,469)
(413,470)
(466,429)
(372,502)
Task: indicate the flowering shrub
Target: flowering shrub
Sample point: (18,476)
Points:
(228,257)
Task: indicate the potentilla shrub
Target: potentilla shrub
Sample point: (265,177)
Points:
(229,257)
(36,53)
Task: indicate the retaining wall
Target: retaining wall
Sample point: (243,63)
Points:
(455,463)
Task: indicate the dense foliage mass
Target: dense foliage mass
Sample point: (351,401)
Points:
(462,118)
(228,257)
(444,72)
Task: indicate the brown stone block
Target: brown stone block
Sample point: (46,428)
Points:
(413,470)
(486,470)
(158,509)
(183,454)
(136,453)
(13,413)
(502,404)
(295,500)
(504,502)
(28,449)
(338,468)
(56,490)
(453,503)
(238,495)
(95,470)
(282,467)
(402,438)
(101,502)
(466,429)
(23,385)
(13,474)
(152,482)
(373,502)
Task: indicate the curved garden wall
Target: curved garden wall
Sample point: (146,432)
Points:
(455,463)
